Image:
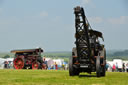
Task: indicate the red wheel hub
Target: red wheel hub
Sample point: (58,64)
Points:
(18,63)
(35,65)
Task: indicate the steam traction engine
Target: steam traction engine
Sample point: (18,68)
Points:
(28,59)
(88,55)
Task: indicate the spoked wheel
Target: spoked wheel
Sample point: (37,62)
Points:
(98,66)
(35,65)
(18,63)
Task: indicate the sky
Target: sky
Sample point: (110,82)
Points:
(49,24)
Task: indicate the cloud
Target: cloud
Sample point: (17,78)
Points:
(119,20)
(85,2)
(43,14)
(96,20)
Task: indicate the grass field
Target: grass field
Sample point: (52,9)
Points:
(53,77)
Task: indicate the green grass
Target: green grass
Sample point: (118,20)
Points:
(53,77)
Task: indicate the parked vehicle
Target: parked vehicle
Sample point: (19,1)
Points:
(28,59)
(88,55)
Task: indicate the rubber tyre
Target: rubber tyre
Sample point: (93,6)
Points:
(103,72)
(71,70)
(98,67)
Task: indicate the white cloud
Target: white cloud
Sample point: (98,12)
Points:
(43,14)
(86,2)
(119,20)
(95,20)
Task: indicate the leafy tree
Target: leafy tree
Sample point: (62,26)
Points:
(6,56)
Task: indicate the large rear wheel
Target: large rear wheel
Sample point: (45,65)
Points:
(19,62)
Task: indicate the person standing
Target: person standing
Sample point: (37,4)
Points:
(107,67)
(6,64)
(113,68)
(116,67)
(63,66)
(127,67)
(56,66)
(123,67)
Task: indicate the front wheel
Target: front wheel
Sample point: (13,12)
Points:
(35,65)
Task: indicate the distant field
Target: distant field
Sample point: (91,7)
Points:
(65,55)
(53,77)
(57,54)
